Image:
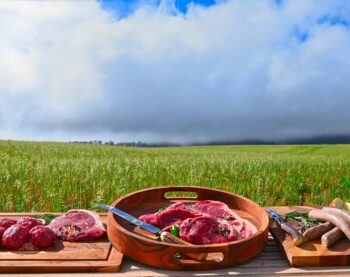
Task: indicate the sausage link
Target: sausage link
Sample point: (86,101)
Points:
(337,221)
(331,237)
(317,231)
(339,213)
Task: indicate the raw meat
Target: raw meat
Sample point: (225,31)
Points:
(150,218)
(174,214)
(29,222)
(78,225)
(2,231)
(206,230)
(7,222)
(42,236)
(15,236)
(182,206)
(168,218)
(204,222)
(216,209)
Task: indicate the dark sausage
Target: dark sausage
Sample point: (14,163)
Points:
(331,237)
(317,231)
(337,221)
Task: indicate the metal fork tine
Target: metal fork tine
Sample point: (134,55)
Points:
(270,210)
(274,214)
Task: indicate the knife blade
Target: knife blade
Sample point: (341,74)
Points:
(164,236)
(132,219)
(298,239)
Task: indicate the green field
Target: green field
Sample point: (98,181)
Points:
(36,176)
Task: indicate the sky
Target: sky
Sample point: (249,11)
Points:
(176,71)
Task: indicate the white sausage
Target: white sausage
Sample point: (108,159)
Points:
(337,221)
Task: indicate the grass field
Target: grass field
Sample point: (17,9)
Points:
(57,176)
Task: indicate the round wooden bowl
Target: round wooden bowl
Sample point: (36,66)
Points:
(142,247)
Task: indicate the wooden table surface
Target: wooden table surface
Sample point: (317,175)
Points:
(270,262)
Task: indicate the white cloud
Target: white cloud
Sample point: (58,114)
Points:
(235,70)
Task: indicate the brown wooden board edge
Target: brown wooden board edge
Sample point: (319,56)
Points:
(279,244)
(111,264)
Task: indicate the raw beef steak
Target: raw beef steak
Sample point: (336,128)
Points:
(207,230)
(78,225)
(204,222)
(216,209)
(174,214)
(150,218)
(168,218)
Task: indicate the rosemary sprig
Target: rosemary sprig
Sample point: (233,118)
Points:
(303,219)
(46,217)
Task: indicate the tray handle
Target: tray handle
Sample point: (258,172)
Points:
(199,191)
(217,255)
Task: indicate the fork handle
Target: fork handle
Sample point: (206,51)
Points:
(298,239)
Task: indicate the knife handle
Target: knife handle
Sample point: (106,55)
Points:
(298,239)
(170,238)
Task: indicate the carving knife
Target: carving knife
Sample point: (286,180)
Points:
(298,239)
(164,236)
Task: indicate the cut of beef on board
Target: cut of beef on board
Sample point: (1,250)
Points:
(77,225)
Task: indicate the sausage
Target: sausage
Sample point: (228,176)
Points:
(317,231)
(339,213)
(337,221)
(331,237)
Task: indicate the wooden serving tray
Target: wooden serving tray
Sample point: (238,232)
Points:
(151,252)
(311,253)
(85,256)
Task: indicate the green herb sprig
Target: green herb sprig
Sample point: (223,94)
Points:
(46,217)
(175,230)
(303,219)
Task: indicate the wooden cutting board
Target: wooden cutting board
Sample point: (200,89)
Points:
(87,256)
(311,253)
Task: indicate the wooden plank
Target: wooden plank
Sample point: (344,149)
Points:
(311,253)
(256,263)
(131,268)
(72,251)
(86,256)
(269,256)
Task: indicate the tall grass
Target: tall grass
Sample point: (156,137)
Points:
(58,176)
